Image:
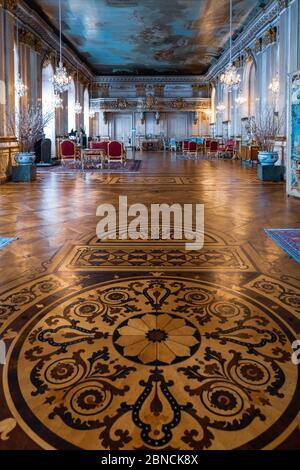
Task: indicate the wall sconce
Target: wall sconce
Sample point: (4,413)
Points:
(274,86)
(220,108)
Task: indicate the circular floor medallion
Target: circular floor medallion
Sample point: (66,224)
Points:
(156,363)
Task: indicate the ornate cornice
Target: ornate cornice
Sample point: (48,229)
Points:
(145,79)
(151,103)
(9,5)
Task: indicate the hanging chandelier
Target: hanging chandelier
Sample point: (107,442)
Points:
(77,107)
(57,101)
(240,99)
(274,86)
(61,80)
(230,78)
(20,87)
(92,113)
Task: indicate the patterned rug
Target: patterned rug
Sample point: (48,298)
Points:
(288,239)
(130,166)
(6,241)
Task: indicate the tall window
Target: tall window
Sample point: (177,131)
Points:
(47,103)
(86,112)
(71,105)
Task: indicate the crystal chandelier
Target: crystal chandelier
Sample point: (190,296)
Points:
(77,107)
(92,113)
(61,80)
(230,78)
(57,101)
(20,87)
(274,86)
(240,99)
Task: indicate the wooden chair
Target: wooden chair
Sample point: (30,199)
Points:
(213,148)
(207,145)
(67,151)
(193,151)
(116,152)
(185,147)
(103,145)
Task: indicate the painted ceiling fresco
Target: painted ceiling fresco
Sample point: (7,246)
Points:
(148,36)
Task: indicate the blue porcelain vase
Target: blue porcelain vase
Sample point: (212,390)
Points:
(267,158)
(25,158)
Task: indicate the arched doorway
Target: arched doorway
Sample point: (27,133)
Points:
(48,105)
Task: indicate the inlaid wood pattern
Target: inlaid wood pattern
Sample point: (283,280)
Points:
(121,345)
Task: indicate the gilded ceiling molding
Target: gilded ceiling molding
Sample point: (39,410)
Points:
(104,90)
(258,45)
(48,59)
(159,90)
(140,90)
(28,38)
(147,80)
(153,104)
(270,36)
(249,54)
(9,5)
(179,103)
(283,4)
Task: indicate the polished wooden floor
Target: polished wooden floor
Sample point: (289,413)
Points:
(139,344)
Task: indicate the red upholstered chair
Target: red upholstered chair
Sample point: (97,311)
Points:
(230,147)
(207,145)
(214,147)
(193,151)
(185,147)
(115,152)
(67,151)
(103,145)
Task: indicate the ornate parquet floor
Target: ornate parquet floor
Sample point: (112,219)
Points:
(144,345)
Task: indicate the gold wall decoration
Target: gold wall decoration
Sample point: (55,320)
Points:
(258,45)
(26,37)
(239,61)
(283,4)
(270,36)
(118,104)
(104,90)
(151,102)
(140,90)
(48,59)
(159,90)
(179,103)
(10,5)
(248,54)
